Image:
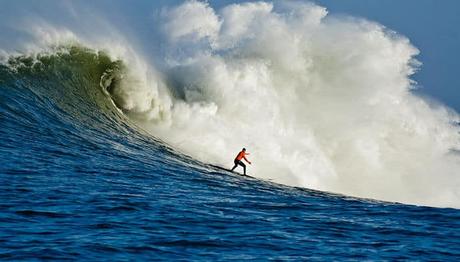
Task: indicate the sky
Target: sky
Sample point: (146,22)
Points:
(431,26)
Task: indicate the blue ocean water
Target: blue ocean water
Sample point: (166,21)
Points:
(79,181)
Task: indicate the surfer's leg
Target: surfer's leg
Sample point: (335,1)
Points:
(236,164)
(244,166)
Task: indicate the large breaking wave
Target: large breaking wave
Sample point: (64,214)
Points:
(320,101)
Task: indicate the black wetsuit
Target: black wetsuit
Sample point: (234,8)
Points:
(239,162)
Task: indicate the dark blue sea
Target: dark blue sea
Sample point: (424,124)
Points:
(79,181)
(114,115)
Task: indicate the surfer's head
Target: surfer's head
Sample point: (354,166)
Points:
(244,149)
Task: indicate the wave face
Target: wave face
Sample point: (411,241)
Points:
(320,101)
(109,137)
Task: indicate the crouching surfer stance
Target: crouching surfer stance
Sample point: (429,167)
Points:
(238,160)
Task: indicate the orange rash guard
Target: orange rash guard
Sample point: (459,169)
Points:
(241,155)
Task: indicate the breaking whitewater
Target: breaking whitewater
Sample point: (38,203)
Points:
(320,101)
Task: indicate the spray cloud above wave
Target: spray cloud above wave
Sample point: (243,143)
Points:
(320,101)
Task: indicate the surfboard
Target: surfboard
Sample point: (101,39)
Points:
(229,170)
(240,174)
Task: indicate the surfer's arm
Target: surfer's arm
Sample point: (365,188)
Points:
(246,160)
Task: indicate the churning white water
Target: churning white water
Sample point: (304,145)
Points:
(319,101)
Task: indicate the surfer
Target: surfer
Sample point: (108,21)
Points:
(238,160)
